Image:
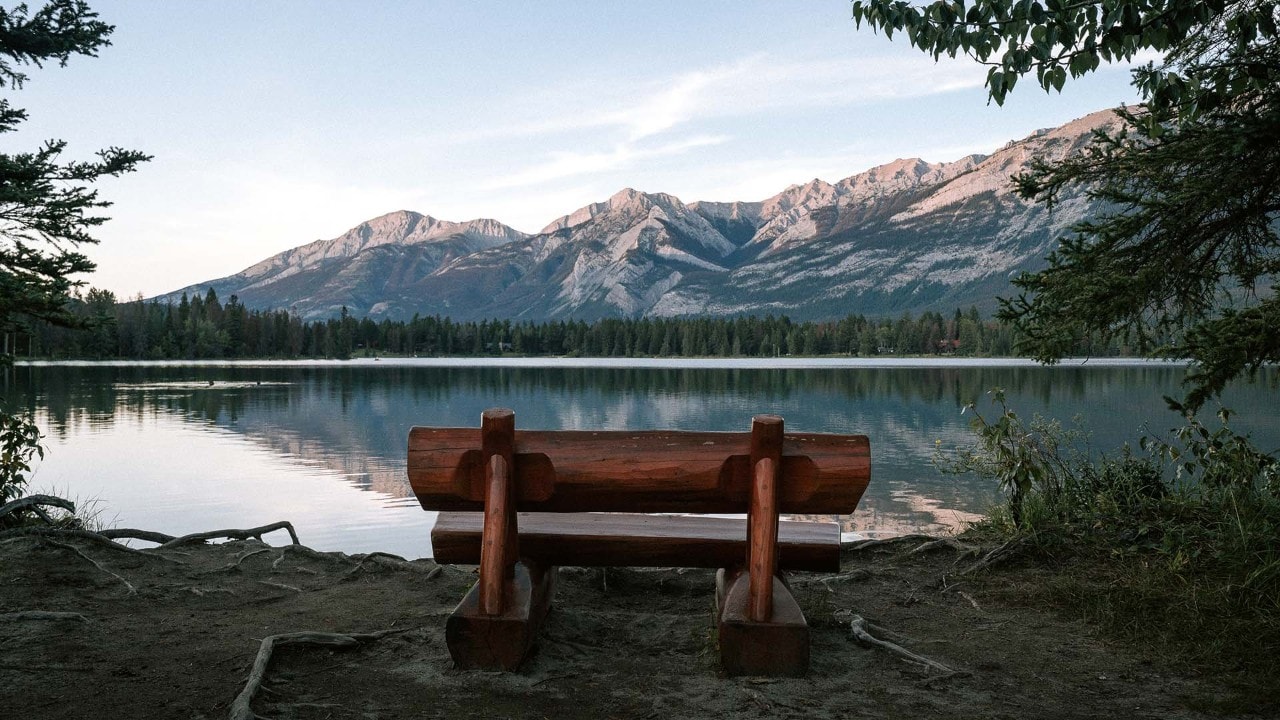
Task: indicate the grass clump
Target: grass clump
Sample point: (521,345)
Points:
(1175,544)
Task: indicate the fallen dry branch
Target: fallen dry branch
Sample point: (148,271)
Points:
(861,631)
(233,534)
(34,503)
(23,615)
(240,708)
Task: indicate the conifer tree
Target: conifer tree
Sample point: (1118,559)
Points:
(47,205)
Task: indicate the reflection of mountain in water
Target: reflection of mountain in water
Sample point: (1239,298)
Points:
(354,420)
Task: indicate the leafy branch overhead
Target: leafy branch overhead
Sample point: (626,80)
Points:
(1061,38)
(1191,178)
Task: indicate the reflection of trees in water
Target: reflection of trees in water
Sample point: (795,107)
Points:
(354,419)
(362,393)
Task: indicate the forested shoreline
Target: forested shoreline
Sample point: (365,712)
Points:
(206,328)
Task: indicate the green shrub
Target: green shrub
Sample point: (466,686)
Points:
(19,443)
(1173,543)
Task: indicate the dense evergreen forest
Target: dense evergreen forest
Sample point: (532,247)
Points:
(206,328)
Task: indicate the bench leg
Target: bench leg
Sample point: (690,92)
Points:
(778,647)
(503,641)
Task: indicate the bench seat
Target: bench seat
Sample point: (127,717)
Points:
(603,539)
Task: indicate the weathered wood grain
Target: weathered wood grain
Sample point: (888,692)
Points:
(762,517)
(500,550)
(652,471)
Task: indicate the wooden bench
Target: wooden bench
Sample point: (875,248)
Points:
(542,494)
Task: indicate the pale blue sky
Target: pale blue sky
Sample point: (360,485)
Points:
(277,123)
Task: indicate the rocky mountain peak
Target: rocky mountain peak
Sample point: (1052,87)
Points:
(906,235)
(627,201)
(810,194)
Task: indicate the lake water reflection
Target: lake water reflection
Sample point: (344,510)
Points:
(187,447)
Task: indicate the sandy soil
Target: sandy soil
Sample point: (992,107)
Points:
(621,643)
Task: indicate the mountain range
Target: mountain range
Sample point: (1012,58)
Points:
(906,236)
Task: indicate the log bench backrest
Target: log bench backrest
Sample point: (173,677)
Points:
(500,471)
(648,471)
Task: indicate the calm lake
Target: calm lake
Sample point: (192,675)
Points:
(187,447)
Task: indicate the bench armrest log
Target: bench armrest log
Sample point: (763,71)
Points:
(653,471)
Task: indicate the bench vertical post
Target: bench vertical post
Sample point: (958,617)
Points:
(494,626)
(498,552)
(762,515)
(762,629)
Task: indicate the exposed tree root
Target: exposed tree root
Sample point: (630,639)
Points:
(78,551)
(201,592)
(241,557)
(281,586)
(870,543)
(233,534)
(158,538)
(861,631)
(42,615)
(250,553)
(854,575)
(944,543)
(313,554)
(33,504)
(996,556)
(969,597)
(240,708)
(395,562)
(91,536)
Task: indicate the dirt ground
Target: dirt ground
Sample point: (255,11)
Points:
(176,638)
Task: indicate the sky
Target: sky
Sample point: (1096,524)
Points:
(273,124)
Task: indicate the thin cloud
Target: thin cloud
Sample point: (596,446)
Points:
(570,164)
(751,86)
(745,87)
